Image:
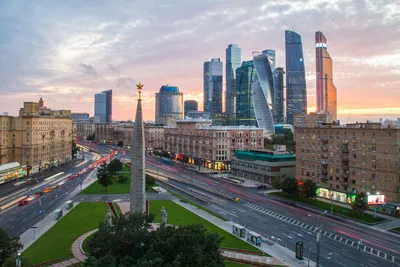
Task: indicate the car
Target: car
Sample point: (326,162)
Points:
(39,194)
(70,178)
(22,202)
(54,186)
(47,190)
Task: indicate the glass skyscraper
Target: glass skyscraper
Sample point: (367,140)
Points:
(212,84)
(296,92)
(190,105)
(233,61)
(169,105)
(326,90)
(272,57)
(278,109)
(263,92)
(245,77)
(103,106)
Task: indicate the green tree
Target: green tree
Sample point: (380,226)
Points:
(277,184)
(150,180)
(360,203)
(137,246)
(104,177)
(9,247)
(91,137)
(309,188)
(75,149)
(289,185)
(115,166)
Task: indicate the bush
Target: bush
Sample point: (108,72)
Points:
(122,179)
(150,180)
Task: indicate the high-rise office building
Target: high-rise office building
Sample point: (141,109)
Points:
(296,92)
(233,61)
(190,105)
(326,90)
(278,108)
(212,83)
(272,57)
(263,92)
(245,77)
(169,105)
(103,106)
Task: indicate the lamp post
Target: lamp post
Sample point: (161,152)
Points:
(331,203)
(319,235)
(18,260)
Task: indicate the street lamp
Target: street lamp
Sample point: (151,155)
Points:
(319,235)
(18,260)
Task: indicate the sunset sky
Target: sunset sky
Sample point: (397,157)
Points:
(66,51)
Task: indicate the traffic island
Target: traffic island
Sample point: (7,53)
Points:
(337,210)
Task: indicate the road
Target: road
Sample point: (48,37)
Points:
(17,219)
(287,224)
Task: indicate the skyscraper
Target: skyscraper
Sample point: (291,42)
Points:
(272,57)
(296,92)
(263,92)
(245,77)
(138,182)
(212,82)
(190,105)
(326,90)
(103,106)
(233,61)
(278,109)
(169,105)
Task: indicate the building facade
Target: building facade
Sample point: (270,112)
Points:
(190,105)
(233,61)
(245,77)
(39,137)
(296,91)
(153,137)
(264,166)
(169,105)
(312,120)
(210,146)
(84,129)
(271,53)
(212,84)
(103,106)
(263,92)
(279,98)
(345,161)
(80,116)
(326,90)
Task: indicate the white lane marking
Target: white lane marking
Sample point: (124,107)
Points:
(341,263)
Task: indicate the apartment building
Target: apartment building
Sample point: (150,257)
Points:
(153,136)
(84,129)
(210,146)
(344,161)
(312,119)
(39,137)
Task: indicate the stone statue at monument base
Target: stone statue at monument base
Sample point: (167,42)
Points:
(164,216)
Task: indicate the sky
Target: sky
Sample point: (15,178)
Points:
(66,51)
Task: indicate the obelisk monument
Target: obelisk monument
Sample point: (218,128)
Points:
(138,182)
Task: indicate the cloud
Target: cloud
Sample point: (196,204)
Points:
(89,71)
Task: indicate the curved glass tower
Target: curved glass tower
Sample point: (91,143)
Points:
(263,92)
(169,105)
(296,93)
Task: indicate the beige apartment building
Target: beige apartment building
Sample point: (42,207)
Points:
(84,129)
(210,146)
(153,136)
(39,137)
(344,161)
(312,119)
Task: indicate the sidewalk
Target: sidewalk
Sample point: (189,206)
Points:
(286,256)
(31,235)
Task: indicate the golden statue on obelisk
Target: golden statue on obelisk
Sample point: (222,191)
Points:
(140,88)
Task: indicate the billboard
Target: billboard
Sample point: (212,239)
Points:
(376,199)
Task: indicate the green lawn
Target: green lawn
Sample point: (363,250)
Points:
(350,213)
(116,188)
(396,229)
(234,264)
(57,242)
(178,215)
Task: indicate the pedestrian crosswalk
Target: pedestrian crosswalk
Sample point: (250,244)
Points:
(329,235)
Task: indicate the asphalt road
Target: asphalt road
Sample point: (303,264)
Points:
(17,219)
(286,224)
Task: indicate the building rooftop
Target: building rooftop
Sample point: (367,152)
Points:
(9,166)
(264,155)
(169,89)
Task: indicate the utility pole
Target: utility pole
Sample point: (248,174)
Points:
(319,236)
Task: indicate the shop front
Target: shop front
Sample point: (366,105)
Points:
(217,165)
(335,196)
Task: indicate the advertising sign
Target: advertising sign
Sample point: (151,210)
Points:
(376,199)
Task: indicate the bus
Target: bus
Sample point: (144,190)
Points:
(11,171)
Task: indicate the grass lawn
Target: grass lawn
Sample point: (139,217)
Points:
(233,264)
(350,213)
(116,188)
(396,229)
(178,215)
(57,242)
(197,205)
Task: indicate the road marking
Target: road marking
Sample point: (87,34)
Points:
(341,263)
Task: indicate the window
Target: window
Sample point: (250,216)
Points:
(363,180)
(354,164)
(373,140)
(363,143)
(374,167)
(363,170)
(373,149)
(373,158)
(373,176)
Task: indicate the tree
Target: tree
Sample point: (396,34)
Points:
(289,185)
(104,177)
(75,149)
(277,184)
(150,181)
(309,188)
(9,247)
(91,137)
(360,203)
(137,246)
(115,166)
(122,179)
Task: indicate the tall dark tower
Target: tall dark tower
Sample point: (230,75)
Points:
(138,182)
(296,92)
(326,90)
